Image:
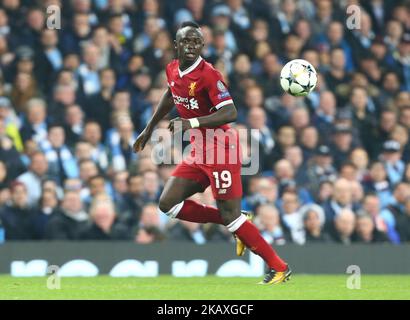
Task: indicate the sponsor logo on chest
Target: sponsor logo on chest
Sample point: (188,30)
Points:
(187,102)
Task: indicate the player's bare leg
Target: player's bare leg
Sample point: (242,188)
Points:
(238,224)
(173,202)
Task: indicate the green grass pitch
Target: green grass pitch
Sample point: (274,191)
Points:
(211,287)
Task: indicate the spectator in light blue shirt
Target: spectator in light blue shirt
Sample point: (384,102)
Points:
(61,161)
(334,38)
(88,71)
(391,157)
(221,18)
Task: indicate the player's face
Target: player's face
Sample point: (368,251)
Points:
(188,44)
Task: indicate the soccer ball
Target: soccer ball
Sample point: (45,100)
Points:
(298,77)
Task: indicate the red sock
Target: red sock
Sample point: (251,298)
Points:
(251,237)
(196,212)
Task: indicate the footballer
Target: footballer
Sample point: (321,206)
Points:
(203,102)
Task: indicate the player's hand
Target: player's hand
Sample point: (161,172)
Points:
(142,140)
(179,124)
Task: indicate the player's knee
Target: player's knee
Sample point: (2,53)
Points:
(164,204)
(229,216)
(169,206)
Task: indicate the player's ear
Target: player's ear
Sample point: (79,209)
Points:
(175,45)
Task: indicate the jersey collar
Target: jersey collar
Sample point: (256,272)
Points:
(191,68)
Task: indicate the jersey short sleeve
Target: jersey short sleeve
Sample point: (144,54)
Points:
(217,90)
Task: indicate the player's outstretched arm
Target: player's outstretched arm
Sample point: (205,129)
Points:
(224,115)
(164,107)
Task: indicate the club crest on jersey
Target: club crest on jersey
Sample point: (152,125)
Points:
(192,88)
(220,86)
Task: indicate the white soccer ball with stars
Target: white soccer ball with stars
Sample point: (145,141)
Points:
(298,77)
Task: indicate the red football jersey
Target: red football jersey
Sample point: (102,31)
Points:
(199,91)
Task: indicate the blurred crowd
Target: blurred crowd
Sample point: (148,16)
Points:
(334,166)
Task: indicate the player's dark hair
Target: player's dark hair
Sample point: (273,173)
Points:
(192,24)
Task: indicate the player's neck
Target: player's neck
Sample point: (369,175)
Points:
(183,65)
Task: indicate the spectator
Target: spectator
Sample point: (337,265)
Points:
(120,143)
(403,223)
(150,216)
(134,196)
(32,179)
(388,121)
(76,34)
(285,175)
(48,208)
(68,224)
(401,135)
(360,159)
(35,125)
(342,144)
(17,217)
(104,223)
(285,18)
(98,105)
(74,124)
(337,74)
(391,157)
(61,162)
(344,225)
(268,221)
(325,193)
(187,231)
(286,138)
(49,59)
(320,168)
(291,216)
(366,231)
(395,209)
(334,38)
(64,95)
(88,71)
(342,199)
(24,89)
(309,141)
(110,52)
(120,189)
(378,183)
(8,154)
(97,185)
(314,221)
(363,118)
(92,134)
(325,115)
(11,123)
(151,186)
(257,120)
(149,235)
(265,192)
